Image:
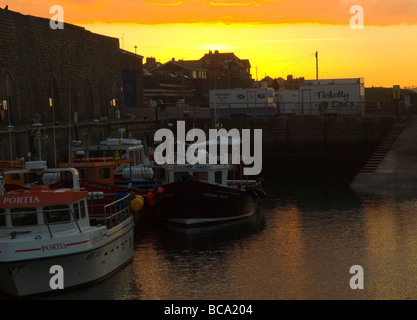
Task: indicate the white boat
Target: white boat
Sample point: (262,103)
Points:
(43,229)
(131,166)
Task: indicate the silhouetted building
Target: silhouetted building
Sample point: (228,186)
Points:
(190,69)
(150,65)
(191,80)
(226,70)
(293,83)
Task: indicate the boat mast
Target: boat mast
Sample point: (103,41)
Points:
(2,178)
(69,123)
(38,126)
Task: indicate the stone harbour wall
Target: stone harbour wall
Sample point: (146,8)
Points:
(80,70)
(290,135)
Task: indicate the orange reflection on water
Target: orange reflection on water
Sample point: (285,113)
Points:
(278,258)
(390,232)
(148,277)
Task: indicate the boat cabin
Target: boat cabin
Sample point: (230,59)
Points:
(35,208)
(97,169)
(115,149)
(34,205)
(12,165)
(212,174)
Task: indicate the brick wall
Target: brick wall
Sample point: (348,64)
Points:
(81,70)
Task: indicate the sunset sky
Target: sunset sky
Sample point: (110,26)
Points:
(279,37)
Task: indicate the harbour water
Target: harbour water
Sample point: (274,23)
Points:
(300,244)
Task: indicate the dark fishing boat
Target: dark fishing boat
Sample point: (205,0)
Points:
(197,195)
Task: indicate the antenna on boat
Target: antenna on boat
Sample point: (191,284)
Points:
(10,128)
(120,132)
(51,105)
(69,123)
(38,126)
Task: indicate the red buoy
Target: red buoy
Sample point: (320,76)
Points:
(150,196)
(151,199)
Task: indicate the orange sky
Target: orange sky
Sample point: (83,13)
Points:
(279,37)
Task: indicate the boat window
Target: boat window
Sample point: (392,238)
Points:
(57,213)
(200,176)
(104,173)
(79,208)
(87,174)
(218,177)
(68,177)
(82,209)
(131,154)
(25,216)
(141,156)
(2,218)
(76,211)
(32,178)
(15,177)
(179,175)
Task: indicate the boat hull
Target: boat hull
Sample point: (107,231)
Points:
(193,203)
(32,277)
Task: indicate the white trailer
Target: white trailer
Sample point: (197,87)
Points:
(249,101)
(332,97)
(288,101)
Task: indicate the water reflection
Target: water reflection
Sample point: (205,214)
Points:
(303,249)
(175,263)
(390,231)
(299,245)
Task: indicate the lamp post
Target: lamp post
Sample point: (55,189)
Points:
(113,103)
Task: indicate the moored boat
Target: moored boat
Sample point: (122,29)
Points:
(98,175)
(41,228)
(201,194)
(131,166)
(7,165)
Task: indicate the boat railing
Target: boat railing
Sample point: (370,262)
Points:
(117,211)
(239,184)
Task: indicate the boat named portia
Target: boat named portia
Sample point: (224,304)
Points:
(42,227)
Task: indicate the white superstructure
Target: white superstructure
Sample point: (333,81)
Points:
(42,228)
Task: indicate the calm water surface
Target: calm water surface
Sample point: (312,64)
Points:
(298,246)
